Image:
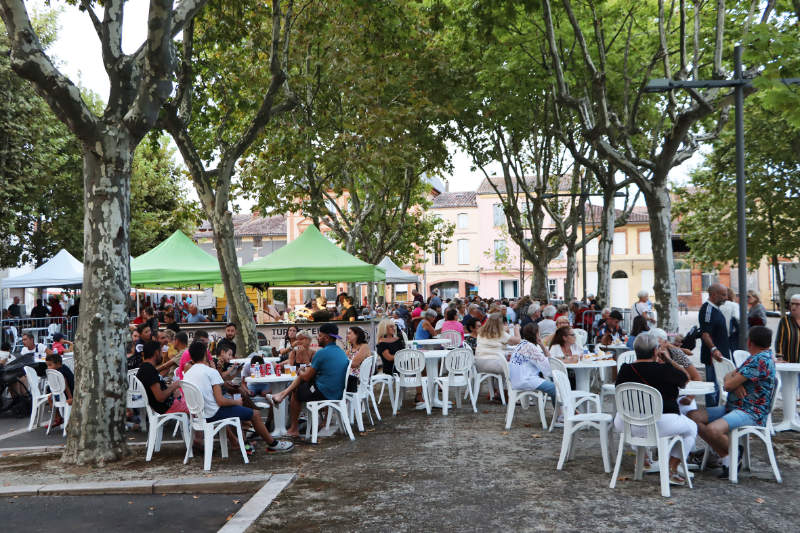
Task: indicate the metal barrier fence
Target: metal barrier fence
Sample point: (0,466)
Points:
(42,329)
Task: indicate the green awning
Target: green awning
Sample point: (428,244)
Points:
(176,262)
(311,259)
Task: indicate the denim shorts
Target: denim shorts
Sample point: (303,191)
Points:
(232,411)
(736,418)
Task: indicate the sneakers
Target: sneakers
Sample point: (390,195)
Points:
(726,472)
(280,446)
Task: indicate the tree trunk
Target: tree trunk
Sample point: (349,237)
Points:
(539,282)
(95,433)
(604,247)
(239,310)
(572,271)
(659,211)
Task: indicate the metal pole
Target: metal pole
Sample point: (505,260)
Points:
(740,198)
(583,250)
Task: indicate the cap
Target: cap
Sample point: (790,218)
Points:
(330,330)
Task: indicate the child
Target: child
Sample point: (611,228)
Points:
(60,345)
(53,362)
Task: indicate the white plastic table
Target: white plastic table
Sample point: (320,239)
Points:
(789,373)
(616,348)
(697,388)
(583,371)
(432,358)
(243,360)
(281,382)
(430,342)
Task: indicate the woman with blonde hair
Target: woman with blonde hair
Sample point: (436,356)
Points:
(490,347)
(389,343)
(757,313)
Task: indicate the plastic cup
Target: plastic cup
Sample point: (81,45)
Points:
(293,370)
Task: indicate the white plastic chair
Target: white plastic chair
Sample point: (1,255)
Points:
(523,396)
(641,407)
(453,336)
(739,357)
(762,432)
(136,398)
(581,336)
(69,362)
(58,386)
(458,364)
(575,422)
(340,406)
(408,366)
(609,389)
(156,423)
(359,401)
(52,329)
(721,368)
(403,333)
(480,377)
(38,398)
(386,381)
(578,396)
(198,422)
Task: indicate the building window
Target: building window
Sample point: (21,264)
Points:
(500,250)
(620,243)
(552,288)
(508,288)
(591,246)
(708,278)
(752,280)
(683,279)
(645,244)
(437,256)
(463,252)
(498,215)
(463,221)
(256,242)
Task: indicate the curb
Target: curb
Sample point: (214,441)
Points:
(193,485)
(60,447)
(257,504)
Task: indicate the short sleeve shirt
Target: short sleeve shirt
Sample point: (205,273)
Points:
(759,370)
(330,364)
(148,375)
(712,321)
(664,377)
(204,378)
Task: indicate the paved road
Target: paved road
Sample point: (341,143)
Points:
(171,513)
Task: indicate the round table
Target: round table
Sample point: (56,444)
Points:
(430,342)
(279,411)
(583,371)
(697,388)
(616,348)
(789,373)
(432,358)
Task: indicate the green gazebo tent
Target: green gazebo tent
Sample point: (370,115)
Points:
(311,259)
(176,262)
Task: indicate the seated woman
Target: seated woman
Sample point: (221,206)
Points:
(471,326)
(301,353)
(425,327)
(529,367)
(357,351)
(650,369)
(639,325)
(686,404)
(389,343)
(563,345)
(561,322)
(491,345)
(451,322)
(288,342)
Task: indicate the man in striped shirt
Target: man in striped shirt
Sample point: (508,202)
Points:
(787,341)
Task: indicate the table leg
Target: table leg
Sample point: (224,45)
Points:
(582,376)
(432,370)
(789,392)
(279,411)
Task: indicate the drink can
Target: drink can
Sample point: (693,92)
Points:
(263,370)
(277,369)
(267,369)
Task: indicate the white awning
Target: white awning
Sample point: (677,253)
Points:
(62,270)
(395,274)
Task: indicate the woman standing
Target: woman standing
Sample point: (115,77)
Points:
(757,313)
(389,343)
(357,351)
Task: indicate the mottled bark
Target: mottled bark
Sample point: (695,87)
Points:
(95,432)
(239,310)
(666,304)
(539,281)
(572,271)
(604,246)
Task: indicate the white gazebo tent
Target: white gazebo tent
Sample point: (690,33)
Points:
(62,270)
(396,275)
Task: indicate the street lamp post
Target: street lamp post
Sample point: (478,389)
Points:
(739,83)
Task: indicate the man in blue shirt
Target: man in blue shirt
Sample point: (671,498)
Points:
(324,379)
(714,329)
(434,300)
(751,392)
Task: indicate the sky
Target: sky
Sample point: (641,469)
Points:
(77,52)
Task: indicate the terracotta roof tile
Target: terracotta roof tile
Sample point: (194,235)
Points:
(251,225)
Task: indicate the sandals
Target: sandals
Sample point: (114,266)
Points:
(676,479)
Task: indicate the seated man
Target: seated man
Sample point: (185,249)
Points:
(611,331)
(322,380)
(30,347)
(159,395)
(53,361)
(751,390)
(216,406)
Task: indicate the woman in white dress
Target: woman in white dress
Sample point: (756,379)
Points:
(491,345)
(563,344)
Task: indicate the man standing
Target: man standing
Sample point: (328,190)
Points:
(195,315)
(417,296)
(323,379)
(228,341)
(14,310)
(714,336)
(643,307)
(751,391)
(787,340)
(39,310)
(435,301)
